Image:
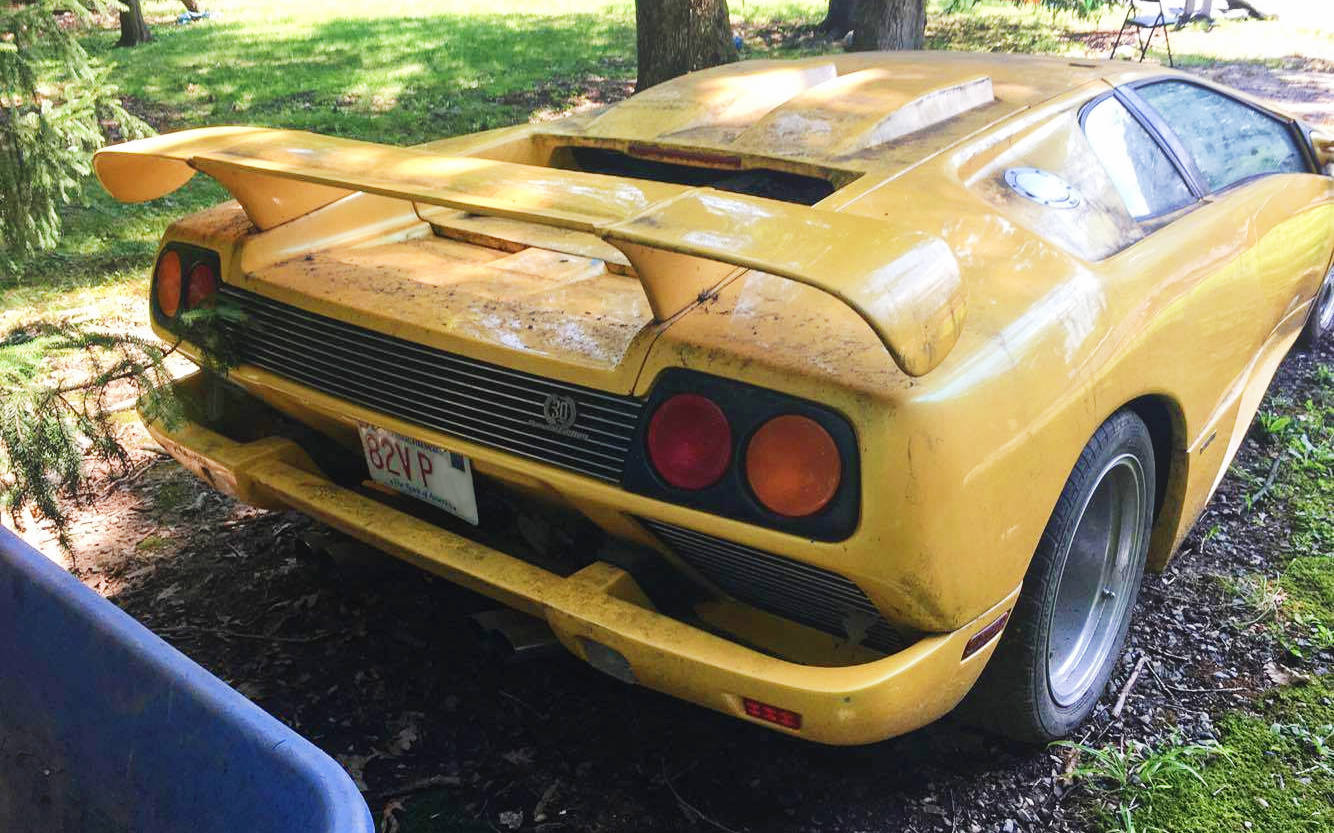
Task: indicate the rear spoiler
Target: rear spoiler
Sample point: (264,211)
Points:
(682,241)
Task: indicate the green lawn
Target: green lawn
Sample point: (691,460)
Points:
(394,71)
(1277,773)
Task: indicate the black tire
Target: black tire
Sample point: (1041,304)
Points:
(1017,695)
(1320,323)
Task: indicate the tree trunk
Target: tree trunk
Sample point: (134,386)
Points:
(678,36)
(191,5)
(133,27)
(838,20)
(889,24)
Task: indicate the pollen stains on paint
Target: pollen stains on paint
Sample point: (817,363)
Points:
(784,330)
(566,307)
(214,227)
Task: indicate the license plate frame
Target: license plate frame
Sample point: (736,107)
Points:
(429,473)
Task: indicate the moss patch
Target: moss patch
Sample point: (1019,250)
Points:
(1279,775)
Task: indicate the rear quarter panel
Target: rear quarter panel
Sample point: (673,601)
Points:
(963,466)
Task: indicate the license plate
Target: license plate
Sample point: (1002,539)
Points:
(439,477)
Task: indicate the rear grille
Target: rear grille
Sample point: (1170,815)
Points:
(476,401)
(823,600)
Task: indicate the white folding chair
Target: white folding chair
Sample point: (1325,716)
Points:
(1154,21)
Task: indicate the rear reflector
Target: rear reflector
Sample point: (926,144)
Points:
(982,637)
(771,714)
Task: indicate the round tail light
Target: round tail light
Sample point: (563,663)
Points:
(203,286)
(167,284)
(690,441)
(793,465)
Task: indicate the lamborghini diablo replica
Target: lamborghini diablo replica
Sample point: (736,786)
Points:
(817,392)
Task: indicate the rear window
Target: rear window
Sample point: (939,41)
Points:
(1229,140)
(756,182)
(1146,179)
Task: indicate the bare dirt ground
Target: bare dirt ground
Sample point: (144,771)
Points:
(375,663)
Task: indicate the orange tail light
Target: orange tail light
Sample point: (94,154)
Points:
(793,465)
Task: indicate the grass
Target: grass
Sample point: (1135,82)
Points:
(1127,778)
(394,71)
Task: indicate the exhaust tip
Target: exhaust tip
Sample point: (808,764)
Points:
(515,636)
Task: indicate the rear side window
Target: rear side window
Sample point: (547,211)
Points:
(1229,141)
(1146,179)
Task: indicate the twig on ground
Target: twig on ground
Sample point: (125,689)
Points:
(300,640)
(1163,685)
(1130,683)
(1269,482)
(687,808)
(420,785)
(531,708)
(1201,690)
(1169,655)
(129,477)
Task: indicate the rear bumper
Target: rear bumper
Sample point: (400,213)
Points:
(601,605)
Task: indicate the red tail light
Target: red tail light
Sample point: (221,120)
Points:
(203,286)
(690,441)
(773,714)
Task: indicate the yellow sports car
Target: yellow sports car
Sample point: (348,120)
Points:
(817,392)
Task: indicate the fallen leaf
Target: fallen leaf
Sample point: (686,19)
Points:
(356,767)
(388,821)
(1280,676)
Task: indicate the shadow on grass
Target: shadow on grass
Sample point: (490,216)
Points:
(984,33)
(397,80)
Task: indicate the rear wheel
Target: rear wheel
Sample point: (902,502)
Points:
(1320,323)
(1069,624)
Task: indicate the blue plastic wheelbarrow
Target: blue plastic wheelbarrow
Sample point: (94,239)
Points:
(105,727)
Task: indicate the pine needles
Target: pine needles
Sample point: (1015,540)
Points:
(52,422)
(56,107)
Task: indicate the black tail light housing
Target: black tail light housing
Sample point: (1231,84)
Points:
(747,408)
(200,276)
